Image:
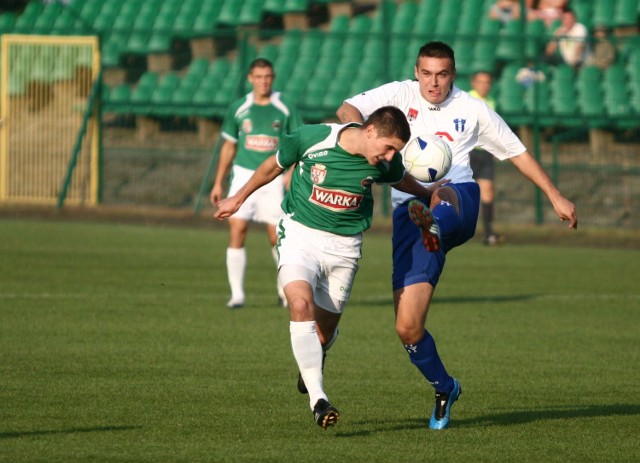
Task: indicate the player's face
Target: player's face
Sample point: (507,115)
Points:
(262,81)
(381,148)
(435,77)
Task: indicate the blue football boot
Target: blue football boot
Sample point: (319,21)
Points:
(442,410)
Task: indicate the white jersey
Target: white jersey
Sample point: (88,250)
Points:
(463,121)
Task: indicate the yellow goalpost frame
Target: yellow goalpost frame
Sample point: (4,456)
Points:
(45,82)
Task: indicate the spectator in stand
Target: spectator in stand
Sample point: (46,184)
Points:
(604,52)
(548,10)
(482,163)
(529,74)
(505,10)
(569,42)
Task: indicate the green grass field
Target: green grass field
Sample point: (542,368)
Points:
(116,346)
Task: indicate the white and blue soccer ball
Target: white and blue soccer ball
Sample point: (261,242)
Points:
(427,158)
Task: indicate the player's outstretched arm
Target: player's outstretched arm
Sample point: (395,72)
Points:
(266,172)
(530,168)
(349,113)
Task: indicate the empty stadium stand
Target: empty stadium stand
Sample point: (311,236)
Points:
(320,66)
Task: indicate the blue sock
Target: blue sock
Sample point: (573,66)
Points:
(448,219)
(424,356)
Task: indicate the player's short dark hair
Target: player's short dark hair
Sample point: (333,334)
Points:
(260,63)
(389,122)
(436,50)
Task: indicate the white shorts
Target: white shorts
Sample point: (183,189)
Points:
(328,262)
(263,205)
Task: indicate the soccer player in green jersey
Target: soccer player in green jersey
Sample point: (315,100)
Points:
(328,206)
(252,130)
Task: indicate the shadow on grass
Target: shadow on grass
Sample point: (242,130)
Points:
(500,419)
(47,432)
(530,416)
(384,301)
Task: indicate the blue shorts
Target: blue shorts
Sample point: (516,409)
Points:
(412,263)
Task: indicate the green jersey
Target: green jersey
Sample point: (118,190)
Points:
(257,129)
(331,188)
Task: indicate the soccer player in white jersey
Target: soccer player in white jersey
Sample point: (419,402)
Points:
(328,206)
(433,104)
(251,130)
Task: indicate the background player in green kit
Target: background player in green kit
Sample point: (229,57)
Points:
(252,130)
(328,206)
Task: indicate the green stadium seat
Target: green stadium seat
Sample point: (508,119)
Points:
(7,22)
(274,6)
(47,17)
(626,13)
(584,11)
(144,20)
(251,12)
(535,39)
(446,26)
(141,100)
(67,24)
(537,100)
(464,55)
(404,18)
(615,74)
(339,23)
(184,24)
(26,20)
(310,44)
(269,52)
(490,26)
(164,21)
(295,6)
(468,24)
(159,42)
(510,46)
(617,99)
(104,22)
(148,81)
(110,55)
(484,55)
(603,12)
(588,79)
(384,12)
(138,43)
(120,94)
(118,100)
(198,67)
(205,22)
(230,12)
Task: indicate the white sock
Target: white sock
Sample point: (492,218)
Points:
(278,284)
(308,354)
(236,263)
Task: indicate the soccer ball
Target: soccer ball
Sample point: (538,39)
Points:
(427,158)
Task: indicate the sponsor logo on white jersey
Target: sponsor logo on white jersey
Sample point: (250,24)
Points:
(335,200)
